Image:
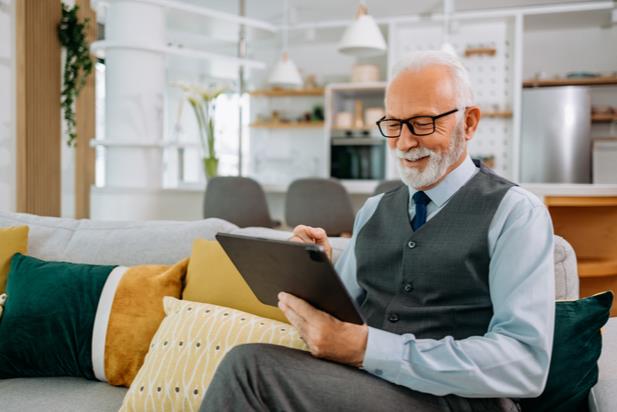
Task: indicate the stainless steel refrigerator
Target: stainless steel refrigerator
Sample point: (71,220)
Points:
(556,135)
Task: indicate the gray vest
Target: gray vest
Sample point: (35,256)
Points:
(433,282)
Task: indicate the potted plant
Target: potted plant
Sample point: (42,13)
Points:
(202,100)
(77,63)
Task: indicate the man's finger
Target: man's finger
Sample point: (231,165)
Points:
(300,306)
(318,233)
(296,320)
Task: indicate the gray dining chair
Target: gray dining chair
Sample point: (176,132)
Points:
(319,202)
(239,200)
(387,185)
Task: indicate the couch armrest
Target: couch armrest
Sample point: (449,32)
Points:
(603,396)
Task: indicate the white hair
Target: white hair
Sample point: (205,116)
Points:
(418,60)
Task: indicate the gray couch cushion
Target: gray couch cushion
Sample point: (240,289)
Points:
(59,395)
(113,243)
(603,397)
(566,274)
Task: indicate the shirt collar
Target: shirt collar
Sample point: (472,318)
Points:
(450,184)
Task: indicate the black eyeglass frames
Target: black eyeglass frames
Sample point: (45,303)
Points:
(417,125)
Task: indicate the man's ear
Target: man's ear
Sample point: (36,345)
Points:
(472,119)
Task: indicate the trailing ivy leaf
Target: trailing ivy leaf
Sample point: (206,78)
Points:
(77,66)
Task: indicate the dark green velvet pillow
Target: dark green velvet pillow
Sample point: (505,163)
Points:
(576,348)
(46,327)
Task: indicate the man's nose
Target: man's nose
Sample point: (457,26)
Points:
(407,140)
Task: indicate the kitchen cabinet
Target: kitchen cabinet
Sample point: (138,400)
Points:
(589,224)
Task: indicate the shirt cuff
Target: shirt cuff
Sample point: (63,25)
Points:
(383,354)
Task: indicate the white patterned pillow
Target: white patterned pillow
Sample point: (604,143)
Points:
(187,348)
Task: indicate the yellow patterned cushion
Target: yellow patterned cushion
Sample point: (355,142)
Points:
(188,346)
(213,278)
(12,240)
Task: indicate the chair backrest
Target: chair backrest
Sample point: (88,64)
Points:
(239,200)
(387,185)
(321,203)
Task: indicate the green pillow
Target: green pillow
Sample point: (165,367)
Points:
(46,326)
(576,348)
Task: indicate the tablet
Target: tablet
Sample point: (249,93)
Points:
(302,269)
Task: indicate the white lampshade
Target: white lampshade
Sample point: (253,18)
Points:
(363,38)
(285,73)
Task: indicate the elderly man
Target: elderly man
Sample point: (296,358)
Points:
(453,272)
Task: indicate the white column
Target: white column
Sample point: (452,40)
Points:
(135,86)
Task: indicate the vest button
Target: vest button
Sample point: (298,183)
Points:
(408,287)
(393,317)
(411,244)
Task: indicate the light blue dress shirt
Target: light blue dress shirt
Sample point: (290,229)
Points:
(512,358)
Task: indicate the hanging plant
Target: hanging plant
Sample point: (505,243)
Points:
(77,66)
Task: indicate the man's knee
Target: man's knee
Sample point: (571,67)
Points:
(242,357)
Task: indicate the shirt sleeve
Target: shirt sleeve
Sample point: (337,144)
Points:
(512,359)
(346,264)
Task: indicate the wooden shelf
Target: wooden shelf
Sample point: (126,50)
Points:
(287,125)
(480,51)
(357,141)
(596,267)
(288,92)
(353,129)
(591,81)
(603,118)
(580,201)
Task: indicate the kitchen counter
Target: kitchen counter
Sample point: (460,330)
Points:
(569,189)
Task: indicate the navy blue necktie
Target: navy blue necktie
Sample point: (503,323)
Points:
(420,199)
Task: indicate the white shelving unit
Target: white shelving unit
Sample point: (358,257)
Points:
(288,148)
(356,151)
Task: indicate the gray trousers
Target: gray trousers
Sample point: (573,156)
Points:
(260,377)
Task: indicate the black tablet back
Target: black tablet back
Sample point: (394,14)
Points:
(273,266)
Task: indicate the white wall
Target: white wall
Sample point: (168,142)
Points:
(556,52)
(7,109)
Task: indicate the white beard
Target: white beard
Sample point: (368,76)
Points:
(438,162)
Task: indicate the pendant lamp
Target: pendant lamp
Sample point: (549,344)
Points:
(363,38)
(285,73)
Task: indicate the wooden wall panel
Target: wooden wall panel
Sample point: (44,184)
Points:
(85,112)
(38,106)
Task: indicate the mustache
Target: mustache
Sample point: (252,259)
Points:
(414,154)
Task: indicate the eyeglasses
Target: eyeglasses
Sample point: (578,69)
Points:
(417,125)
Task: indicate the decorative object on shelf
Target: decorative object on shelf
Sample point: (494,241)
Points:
(77,64)
(202,101)
(318,114)
(364,73)
(372,115)
(363,38)
(285,73)
(358,115)
(343,120)
(310,81)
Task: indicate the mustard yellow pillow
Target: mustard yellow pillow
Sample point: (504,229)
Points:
(12,240)
(187,348)
(213,278)
(130,310)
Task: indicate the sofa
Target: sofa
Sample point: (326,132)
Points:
(165,242)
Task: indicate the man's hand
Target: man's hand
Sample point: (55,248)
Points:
(326,336)
(316,235)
